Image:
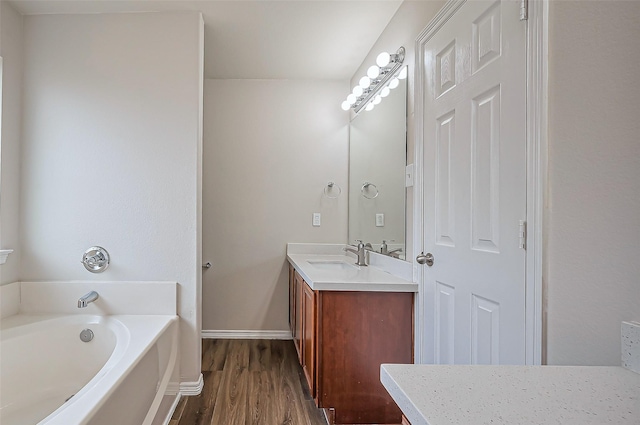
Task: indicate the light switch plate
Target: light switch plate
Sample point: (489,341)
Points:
(408,176)
(379,220)
(316,219)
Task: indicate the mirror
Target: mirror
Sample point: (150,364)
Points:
(377,161)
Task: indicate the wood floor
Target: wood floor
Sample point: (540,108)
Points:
(249,382)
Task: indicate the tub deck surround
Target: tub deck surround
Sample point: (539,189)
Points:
(136,354)
(314,263)
(514,395)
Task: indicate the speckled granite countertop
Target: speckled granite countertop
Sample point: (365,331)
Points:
(514,395)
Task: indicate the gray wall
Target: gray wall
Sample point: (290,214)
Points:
(593,227)
(270,148)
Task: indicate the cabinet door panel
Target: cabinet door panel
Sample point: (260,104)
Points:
(297,336)
(309,326)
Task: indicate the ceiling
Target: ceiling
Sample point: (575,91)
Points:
(266,39)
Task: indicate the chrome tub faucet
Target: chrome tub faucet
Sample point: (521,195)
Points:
(86,299)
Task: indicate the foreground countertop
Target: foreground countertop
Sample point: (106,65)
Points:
(514,395)
(354,278)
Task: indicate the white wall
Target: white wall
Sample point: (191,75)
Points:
(111,153)
(11,50)
(403,29)
(270,148)
(593,278)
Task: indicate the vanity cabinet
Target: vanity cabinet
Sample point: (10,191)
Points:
(344,337)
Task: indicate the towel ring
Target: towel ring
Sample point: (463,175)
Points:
(329,188)
(365,189)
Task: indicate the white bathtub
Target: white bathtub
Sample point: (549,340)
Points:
(49,376)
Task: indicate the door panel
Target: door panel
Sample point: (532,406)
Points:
(475,185)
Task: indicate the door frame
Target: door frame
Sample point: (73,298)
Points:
(537,157)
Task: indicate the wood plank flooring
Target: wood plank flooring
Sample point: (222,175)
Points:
(249,382)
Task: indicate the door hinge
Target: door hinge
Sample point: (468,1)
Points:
(522,234)
(524,10)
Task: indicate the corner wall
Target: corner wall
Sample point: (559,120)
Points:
(11,50)
(111,153)
(271,146)
(593,277)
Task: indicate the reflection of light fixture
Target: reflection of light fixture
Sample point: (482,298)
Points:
(373,72)
(378,81)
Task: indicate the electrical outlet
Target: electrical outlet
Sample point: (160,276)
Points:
(379,220)
(316,219)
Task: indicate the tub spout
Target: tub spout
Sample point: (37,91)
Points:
(87,299)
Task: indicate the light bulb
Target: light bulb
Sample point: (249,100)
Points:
(377,100)
(403,74)
(345,106)
(394,83)
(384,92)
(383,59)
(369,107)
(352,99)
(373,72)
(357,90)
(365,82)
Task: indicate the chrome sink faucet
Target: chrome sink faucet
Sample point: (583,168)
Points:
(360,251)
(86,299)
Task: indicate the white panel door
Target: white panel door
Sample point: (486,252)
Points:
(474,139)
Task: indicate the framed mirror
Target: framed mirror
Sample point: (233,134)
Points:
(377,161)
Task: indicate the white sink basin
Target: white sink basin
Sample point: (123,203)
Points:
(335,265)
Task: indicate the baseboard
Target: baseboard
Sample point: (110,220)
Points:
(192,388)
(232,334)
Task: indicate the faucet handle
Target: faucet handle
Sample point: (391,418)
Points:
(360,243)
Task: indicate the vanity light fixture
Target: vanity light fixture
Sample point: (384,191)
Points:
(380,79)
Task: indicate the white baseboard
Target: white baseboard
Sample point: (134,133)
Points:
(227,334)
(192,388)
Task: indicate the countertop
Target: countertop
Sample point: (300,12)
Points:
(514,395)
(350,278)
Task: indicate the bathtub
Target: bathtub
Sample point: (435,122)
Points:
(49,376)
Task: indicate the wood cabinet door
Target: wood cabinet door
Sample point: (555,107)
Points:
(299,284)
(292,300)
(308,336)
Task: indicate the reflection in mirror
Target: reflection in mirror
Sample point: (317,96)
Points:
(377,160)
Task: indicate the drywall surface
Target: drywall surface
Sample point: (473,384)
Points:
(270,147)
(403,29)
(11,50)
(111,153)
(593,280)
